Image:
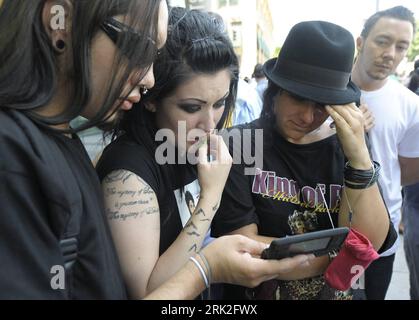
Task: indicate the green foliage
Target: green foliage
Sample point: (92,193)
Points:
(277,50)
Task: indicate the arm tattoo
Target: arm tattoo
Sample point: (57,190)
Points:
(120,175)
(131,203)
(118,216)
(120,205)
(194,248)
(146,190)
(193,233)
(200,211)
(191,224)
(151,210)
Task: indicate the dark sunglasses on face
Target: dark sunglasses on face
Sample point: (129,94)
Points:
(122,34)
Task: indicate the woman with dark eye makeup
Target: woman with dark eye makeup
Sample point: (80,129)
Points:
(147,208)
(196,81)
(60,59)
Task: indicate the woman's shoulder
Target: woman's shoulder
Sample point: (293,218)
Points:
(125,153)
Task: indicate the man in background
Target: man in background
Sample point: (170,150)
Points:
(383,44)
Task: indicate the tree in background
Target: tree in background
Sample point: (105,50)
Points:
(276,53)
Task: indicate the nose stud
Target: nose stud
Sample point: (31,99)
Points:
(144,90)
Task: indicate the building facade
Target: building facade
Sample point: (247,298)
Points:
(249,24)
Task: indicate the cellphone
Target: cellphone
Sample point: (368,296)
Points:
(318,243)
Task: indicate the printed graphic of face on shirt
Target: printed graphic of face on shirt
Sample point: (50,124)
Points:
(303,222)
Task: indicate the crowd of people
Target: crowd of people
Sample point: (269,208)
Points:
(173,209)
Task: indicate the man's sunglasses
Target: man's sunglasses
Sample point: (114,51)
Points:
(122,34)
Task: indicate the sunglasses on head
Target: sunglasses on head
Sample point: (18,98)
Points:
(121,34)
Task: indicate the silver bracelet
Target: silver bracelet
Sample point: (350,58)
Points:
(204,259)
(201,270)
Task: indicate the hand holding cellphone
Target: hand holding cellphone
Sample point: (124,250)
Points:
(318,243)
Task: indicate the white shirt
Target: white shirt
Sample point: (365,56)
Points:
(248,104)
(396,133)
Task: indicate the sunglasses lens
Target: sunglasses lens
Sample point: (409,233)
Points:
(126,39)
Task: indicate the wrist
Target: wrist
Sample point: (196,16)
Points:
(210,265)
(361,165)
(361,178)
(199,267)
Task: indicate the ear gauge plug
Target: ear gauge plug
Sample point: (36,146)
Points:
(60,45)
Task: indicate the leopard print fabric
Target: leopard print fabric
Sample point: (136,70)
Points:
(306,289)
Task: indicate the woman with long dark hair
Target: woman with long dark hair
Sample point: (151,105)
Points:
(196,80)
(315,174)
(151,167)
(58,60)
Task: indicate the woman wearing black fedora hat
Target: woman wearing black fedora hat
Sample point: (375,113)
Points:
(315,175)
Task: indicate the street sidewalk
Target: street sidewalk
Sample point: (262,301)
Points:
(399,286)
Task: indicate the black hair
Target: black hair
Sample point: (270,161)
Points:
(398,12)
(28,61)
(188,197)
(414,80)
(258,72)
(268,116)
(197,43)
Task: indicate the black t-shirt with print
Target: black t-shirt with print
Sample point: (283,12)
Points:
(170,186)
(286,196)
(37,168)
(291,194)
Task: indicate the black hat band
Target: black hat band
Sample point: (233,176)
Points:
(321,77)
